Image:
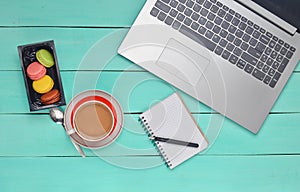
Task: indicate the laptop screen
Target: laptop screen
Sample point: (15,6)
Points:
(288,10)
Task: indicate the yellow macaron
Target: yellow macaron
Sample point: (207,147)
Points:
(43,85)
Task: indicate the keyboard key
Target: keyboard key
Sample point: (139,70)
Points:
(281,42)
(197,8)
(258,74)
(237,42)
(188,12)
(180,8)
(221,13)
(265,69)
(162,16)
(262,30)
(256,34)
(223,33)
(277,47)
(242,26)
(173,13)
(289,55)
(209,34)
(260,47)
(225,54)
(270,61)
(250,59)
(244,19)
(209,25)
(219,4)
(259,65)
(235,21)
(249,68)
(216,38)
(279,58)
(264,58)
(264,39)
(275,65)
(283,51)
(230,47)
(225,8)
(190,3)
(275,38)
(180,17)
(267,79)
(228,17)
(187,21)
(254,52)
(237,51)
(293,49)
(154,12)
(256,27)
(200,2)
(218,21)
(162,6)
(195,16)
(214,9)
(225,25)
(244,46)
(223,43)
(230,38)
(166,1)
(176,25)
(249,30)
(233,59)
(197,37)
(203,12)
(232,29)
(272,44)
(202,20)
(201,30)
(174,3)
(241,64)
(271,72)
(246,38)
(268,51)
(195,26)
(219,50)
(269,35)
(182,1)
(239,33)
(207,4)
(274,54)
(253,42)
(216,29)
(211,16)
(283,65)
(169,20)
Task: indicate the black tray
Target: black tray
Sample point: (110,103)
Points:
(27,56)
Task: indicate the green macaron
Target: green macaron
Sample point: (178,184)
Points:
(45,58)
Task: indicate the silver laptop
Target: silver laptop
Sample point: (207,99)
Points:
(234,56)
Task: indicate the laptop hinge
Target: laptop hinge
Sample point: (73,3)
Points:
(269,16)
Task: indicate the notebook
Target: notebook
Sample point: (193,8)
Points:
(171,119)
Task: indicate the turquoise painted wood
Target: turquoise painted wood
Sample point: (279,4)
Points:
(36,154)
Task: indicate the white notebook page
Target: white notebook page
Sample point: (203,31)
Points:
(171,119)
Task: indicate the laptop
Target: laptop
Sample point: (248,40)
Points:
(235,56)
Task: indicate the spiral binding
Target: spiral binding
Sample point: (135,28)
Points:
(159,148)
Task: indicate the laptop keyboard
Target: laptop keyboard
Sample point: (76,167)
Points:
(229,35)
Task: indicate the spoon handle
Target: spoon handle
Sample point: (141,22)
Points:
(78,148)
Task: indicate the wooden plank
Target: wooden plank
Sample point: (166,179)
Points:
(37,135)
(104,13)
(77,48)
(136,91)
(203,173)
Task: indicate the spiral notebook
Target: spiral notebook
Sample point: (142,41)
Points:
(171,119)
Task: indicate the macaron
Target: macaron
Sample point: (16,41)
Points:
(43,85)
(36,71)
(50,97)
(45,58)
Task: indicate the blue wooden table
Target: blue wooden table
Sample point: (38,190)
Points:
(36,154)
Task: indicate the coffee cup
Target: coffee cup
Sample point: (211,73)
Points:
(93,119)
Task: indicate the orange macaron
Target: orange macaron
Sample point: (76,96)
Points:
(50,97)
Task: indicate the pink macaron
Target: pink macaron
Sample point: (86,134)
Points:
(36,71)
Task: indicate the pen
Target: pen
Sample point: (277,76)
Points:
(173,141)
